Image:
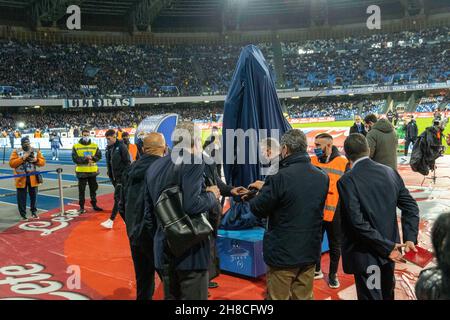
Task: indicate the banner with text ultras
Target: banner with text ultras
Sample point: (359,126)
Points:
(95,103)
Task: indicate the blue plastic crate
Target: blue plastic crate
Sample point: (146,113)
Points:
(241,251)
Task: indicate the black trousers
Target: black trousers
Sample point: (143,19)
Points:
(184,284)
(407,143)
(376,285)
(117,199)
(214,262)
(93,187)
(144,268)
(22,198)
(334,233)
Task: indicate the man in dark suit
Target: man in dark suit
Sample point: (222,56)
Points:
(370,194)
(185,276)
(358,126)
(141,242)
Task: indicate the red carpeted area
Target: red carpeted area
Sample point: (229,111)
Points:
(73,257)
(103,258)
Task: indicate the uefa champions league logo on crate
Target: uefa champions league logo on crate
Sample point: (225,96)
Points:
(238,255)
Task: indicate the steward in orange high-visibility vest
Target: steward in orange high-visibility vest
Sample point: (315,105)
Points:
(132,148)
(335,168)
(328,158)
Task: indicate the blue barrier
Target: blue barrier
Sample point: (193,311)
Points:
(26,174)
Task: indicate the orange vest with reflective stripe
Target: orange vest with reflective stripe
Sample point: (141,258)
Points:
(132,149)
(335,170)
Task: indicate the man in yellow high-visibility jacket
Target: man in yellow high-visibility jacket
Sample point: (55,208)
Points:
(328,158)
(86,154)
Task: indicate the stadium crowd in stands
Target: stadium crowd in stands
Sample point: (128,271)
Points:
(339,110)
(101,119)
(80,70)
(388,58)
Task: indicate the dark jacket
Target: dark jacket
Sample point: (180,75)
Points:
(354,129)
(433,284)
(117,160)
(293,201)
(195,201)
(383,143)
(369,195)
(82,160)
(411,131)
(212,179)
(133,199)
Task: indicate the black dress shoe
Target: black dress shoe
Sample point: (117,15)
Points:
(97,208)
(213,285)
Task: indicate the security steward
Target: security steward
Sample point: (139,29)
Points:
(132,148)
(328,158)
(25,160)
(86,154)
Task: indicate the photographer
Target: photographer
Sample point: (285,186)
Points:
(24,161)
(428,147)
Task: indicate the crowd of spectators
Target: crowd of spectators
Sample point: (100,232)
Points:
(101,119)
(82,70)
(394,58)
(339,110)
(372,106)
(104,118)
(430,104)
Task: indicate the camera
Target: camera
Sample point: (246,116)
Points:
(30,157)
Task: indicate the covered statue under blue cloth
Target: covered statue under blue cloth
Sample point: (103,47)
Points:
(251,103)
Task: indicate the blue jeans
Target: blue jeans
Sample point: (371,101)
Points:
(55,152)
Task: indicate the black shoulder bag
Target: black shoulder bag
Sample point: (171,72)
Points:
(182,231)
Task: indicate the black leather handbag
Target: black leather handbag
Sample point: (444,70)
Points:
(182,230)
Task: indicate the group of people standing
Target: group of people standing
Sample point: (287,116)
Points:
(353,199)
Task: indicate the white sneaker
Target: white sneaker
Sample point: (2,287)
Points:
(318,275)
(57,159)
(53,158)
(108,224)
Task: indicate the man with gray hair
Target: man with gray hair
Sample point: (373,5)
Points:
(186,277)
(293,200)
